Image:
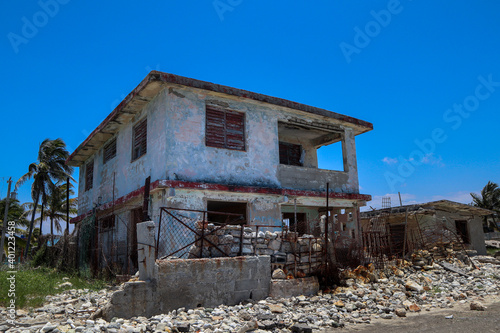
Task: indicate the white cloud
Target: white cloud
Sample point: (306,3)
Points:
(433,160)
(460,196)
(390,160)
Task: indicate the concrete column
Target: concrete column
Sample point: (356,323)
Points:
(146,250)
(350,161)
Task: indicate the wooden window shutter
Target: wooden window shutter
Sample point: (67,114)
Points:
(225,129)
(140,138)
(290,154)
(89,175)
(109,151)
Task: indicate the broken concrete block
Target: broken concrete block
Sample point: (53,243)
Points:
(275,245)
(279,274)
(477,306)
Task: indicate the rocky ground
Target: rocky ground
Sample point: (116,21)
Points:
(368,296)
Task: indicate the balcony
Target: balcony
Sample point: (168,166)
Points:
(304,178)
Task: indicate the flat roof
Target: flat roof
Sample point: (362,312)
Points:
(155,81)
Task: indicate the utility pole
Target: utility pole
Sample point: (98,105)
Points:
(5,217)
(67,206)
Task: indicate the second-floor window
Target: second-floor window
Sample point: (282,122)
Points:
(109,151)
(225,129)
(89,175)
(139,139)
(290,154)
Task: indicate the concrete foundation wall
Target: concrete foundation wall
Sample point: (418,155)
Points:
(296,287)
(192,283)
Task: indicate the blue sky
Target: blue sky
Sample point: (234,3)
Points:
(420,71)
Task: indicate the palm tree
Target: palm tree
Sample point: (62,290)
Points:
(49,169)
(489,198)
(55,209)
(16,214)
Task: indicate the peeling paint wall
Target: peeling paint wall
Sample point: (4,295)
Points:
(128,175)
(176,150)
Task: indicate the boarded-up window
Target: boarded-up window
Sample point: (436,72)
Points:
(225,129)
(109,151)
(290,154)
(89,175)
(139,139)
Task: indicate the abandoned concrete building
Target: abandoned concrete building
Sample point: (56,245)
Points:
(212,148)
(426,225)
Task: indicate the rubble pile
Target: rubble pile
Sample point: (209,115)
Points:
(303,252)
(368,294)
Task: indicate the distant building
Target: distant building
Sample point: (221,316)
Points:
(428,223)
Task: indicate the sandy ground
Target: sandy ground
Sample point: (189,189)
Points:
(464,320)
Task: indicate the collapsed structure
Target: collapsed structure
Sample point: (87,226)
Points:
(404,229)
(222,154)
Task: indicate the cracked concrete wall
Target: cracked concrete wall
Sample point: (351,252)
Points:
(125,174)
(176,150)
(474,226)
(192,283)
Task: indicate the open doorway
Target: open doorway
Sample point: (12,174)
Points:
(462,230)
(217,212)
(300,224)
(135,217)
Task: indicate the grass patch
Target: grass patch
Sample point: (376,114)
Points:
(33,284)
(492,250)
(436,290)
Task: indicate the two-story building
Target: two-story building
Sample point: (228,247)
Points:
(212,147)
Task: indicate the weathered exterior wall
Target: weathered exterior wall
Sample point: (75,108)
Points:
(259,164)
(176,150)
(193,283)
(474,226)
(127,175)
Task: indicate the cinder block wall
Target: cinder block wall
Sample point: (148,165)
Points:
(211,282)
(191,283)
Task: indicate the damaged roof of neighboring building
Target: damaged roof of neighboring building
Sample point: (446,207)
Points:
(428,207)
(155,81)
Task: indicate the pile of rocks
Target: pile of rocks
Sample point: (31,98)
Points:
(397,291)
(422,259)
(303,253)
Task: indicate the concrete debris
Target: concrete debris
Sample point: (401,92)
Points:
(400,312)
(475,305)
(487,259)
(359,303)
(279,274)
